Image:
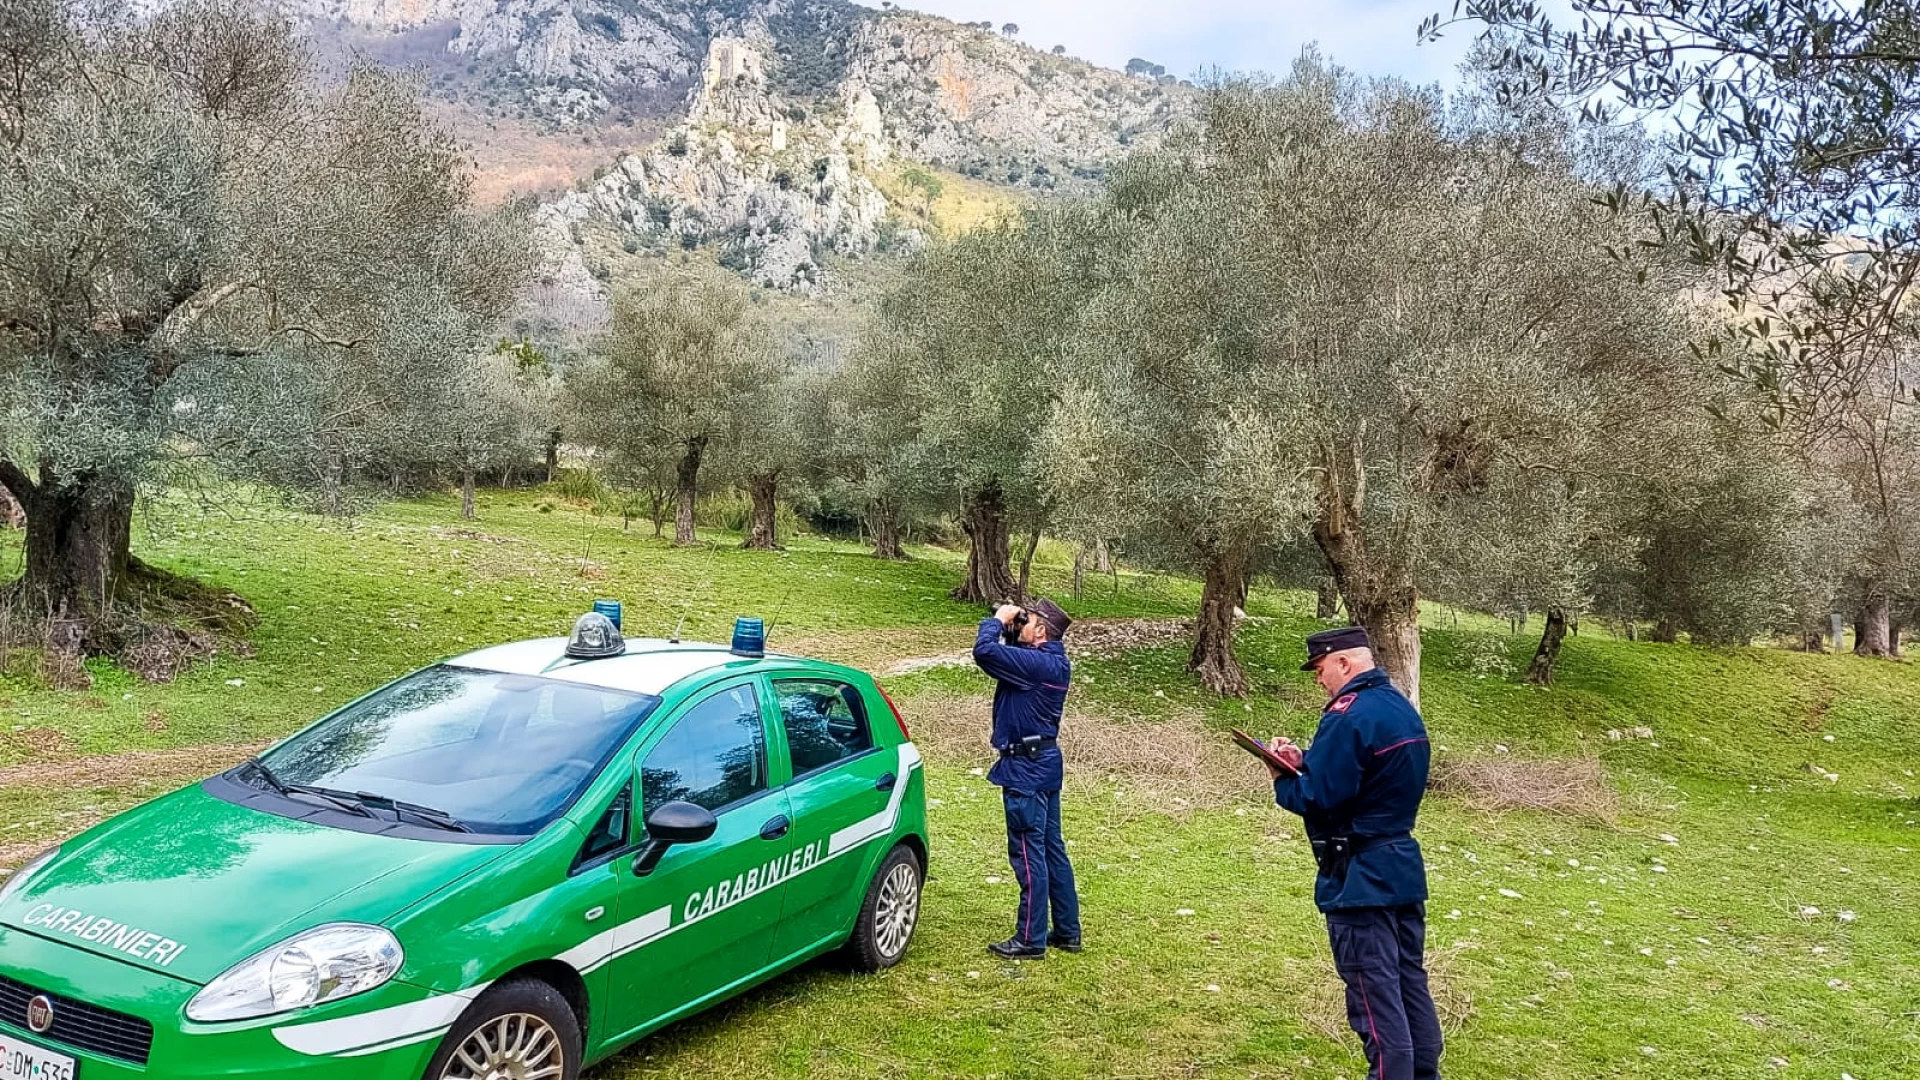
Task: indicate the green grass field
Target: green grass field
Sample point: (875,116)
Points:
(1749,906)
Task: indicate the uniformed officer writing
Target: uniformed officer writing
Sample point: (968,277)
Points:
(1358,788)
(1031,674)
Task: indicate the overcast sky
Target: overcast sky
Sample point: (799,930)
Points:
(1374,37)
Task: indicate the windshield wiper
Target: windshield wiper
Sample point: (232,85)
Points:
(267,775)
(437,818)
(337,799)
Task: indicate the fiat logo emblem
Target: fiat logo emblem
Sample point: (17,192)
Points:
(40,1014)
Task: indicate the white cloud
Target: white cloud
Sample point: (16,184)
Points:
(1373,37)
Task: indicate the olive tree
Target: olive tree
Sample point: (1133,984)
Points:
(191,221)
(1793,137)
(1163,438)
(873,454)
(673,378)
(973,336)
(1410,324)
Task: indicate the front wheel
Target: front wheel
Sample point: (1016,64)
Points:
(889,913)
(519,1030)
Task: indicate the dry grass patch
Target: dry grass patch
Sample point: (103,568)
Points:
(1172,766)
(116,770)
(1570,787)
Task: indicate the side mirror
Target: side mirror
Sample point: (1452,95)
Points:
(672,823)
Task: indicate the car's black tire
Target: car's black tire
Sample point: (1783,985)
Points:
(537,1020)
(889,914)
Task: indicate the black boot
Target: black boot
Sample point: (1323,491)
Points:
(1063,944)
(1013,950)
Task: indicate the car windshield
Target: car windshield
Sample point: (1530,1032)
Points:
(497,753)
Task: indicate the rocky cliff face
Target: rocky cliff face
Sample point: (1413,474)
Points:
(778,180)
(789,124)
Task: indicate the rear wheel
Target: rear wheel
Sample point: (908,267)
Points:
(889,913)
(519,1030)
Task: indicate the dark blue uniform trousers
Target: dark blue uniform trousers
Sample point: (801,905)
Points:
(1039,856)
(1378,952)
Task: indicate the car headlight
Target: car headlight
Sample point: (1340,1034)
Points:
(19,877)
(323,964)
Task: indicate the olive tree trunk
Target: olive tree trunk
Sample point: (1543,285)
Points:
(466,493)
(1540,671)
(686,487)
(1026,566)
(1212,658)
(984,519)
(1873,624)
(884,518)
(762,529)
(76,549)
(1326,598)
(1378,595)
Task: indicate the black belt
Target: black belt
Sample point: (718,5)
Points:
(1028,747)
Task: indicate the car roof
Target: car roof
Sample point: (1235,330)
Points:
(649,666)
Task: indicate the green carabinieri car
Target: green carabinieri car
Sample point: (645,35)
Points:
(507,865)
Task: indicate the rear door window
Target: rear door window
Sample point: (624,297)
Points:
(825,721)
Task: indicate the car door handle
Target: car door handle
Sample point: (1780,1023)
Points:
(775,828)
(886,782)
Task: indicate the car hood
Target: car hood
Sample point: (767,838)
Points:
(189,884)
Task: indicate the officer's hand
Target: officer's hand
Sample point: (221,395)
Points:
(1284,749)
(1007,613)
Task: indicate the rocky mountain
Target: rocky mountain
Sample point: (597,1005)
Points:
(776,135)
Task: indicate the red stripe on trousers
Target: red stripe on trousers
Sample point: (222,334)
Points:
(1026,925)
(1379,1051)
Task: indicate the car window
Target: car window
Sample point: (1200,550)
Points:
(715,755)
(502,754)
(825,722)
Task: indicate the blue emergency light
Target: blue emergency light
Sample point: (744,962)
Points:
(749,638)
(609,608)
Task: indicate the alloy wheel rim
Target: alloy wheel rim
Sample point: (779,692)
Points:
(899,905)
(515,1046)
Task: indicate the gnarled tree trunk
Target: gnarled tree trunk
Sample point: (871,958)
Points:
(1378,596)
(984,519)
(1666,631)
(553,454)
(466,494)
(77,541)
(1540,671)
(1212,658)
(686,487)
(1872,625)
(762,529)
(885,521)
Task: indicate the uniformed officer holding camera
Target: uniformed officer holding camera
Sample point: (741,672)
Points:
(1020,648)
(1358,788)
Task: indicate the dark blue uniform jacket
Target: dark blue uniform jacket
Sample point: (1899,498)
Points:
(1364,775)
(1028,700)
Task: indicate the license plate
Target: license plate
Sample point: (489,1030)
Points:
(24,1061)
